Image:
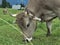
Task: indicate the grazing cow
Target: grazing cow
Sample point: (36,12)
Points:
(46,10)
(5,11)
(28,25)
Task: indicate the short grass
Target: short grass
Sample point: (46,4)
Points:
(10,36)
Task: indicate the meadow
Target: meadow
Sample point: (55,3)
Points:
(10,36)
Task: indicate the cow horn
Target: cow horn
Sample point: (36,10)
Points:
(30,14)
(36,18)
(13,15)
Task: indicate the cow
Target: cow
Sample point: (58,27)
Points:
(28,23)
(5,11)
(46,10)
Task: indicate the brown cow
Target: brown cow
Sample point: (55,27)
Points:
(46,10)
(28,25)
(5,11)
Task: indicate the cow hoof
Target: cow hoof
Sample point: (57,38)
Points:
(48,35)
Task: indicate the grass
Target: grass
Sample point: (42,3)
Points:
(9,36)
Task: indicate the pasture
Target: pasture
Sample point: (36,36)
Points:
(10,36)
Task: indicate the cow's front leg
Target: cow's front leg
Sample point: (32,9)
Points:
(48,24)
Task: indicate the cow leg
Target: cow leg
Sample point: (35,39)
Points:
(48,24)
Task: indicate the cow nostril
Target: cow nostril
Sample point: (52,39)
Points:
(28,25)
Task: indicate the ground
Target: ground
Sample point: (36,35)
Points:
(10,36)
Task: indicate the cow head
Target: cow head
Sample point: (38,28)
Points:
(24,19)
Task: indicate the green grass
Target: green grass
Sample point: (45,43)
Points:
(10,36)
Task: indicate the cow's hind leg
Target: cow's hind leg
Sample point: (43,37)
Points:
(48,24)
